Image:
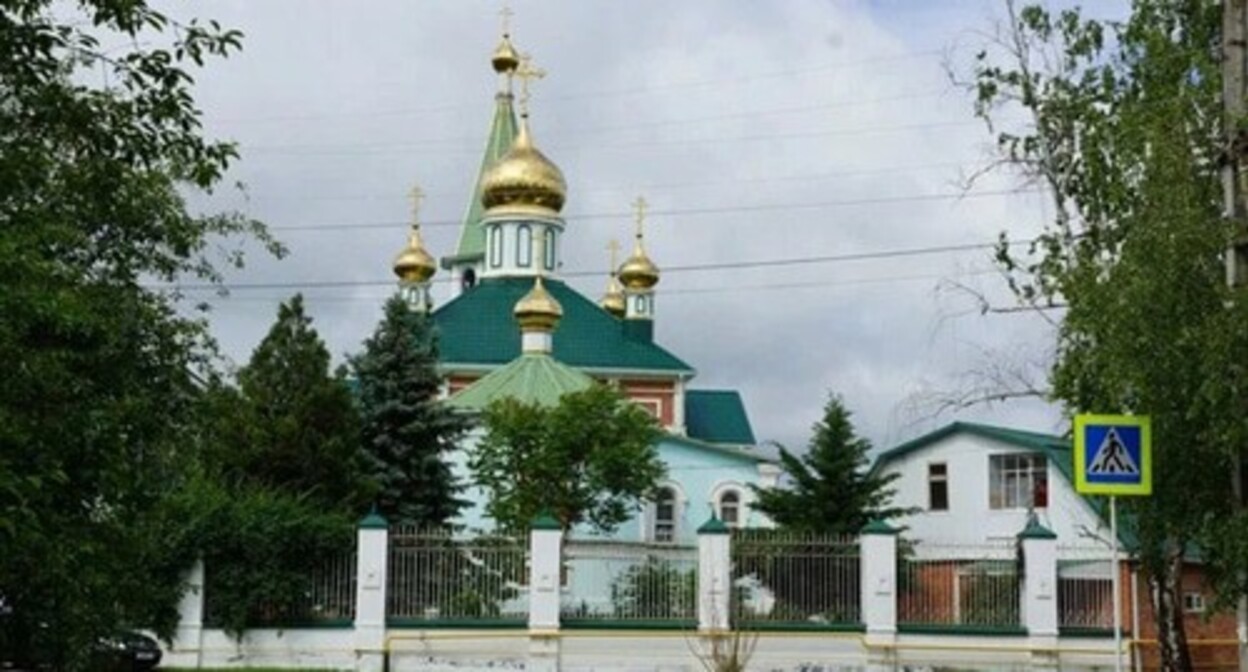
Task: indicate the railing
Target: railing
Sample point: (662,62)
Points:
(327,597)
(1085,597)
(629,582)
(962,585)
(436,578)
(786,578)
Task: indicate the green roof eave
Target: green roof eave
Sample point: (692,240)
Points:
(532,378)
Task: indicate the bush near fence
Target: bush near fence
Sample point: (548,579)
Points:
(624,581)
(327,596)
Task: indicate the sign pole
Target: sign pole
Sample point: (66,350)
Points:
(1117,582)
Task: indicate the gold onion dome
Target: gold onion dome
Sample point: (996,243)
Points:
(524,177)
(538,310)
(613,300)
(414,263)
(506,58)
(638,272)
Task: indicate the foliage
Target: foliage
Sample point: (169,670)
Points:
(291,425)
(407,430)
(456,577)
(831,490)
(1124,130)
(589,459)
(656,588)
(98,374)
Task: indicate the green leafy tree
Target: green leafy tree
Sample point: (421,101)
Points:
(1124,122)
(589,459)
(830,490)
(98,379)
(292,425)
(656,588)
(407,431)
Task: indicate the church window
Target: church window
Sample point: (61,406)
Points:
(730,508)
(1018,481)
(524,246)
(665,515)
(639,305)
(938,487)
(552,238)
(496,248)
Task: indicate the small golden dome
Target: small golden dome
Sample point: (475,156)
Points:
(613,300)
(524,178)
(506,58)
(414,263)
(538,310)
(638,272)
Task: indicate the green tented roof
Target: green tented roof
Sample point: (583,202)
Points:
(477,328)
(502,133)
(530,379)
(717,416)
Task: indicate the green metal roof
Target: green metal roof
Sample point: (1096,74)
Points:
(532,378)
(717,416)
(502,133)
(477,328)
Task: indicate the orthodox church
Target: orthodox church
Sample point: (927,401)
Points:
(515,329)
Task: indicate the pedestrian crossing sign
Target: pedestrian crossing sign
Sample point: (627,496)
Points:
(1113,455)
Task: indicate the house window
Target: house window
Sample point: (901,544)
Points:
(938,487)
(1194,602)
(730,508)
(524,246)
(1018,481)
(496,248)
(665,515)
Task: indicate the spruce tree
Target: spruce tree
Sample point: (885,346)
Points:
(291,425)
(830,490)
(407,430)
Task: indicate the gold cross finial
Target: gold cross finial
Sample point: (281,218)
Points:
(614,248)
(416,195)
(639,207)
(527,73)
(506,15)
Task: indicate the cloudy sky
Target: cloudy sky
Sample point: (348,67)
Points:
(757,131)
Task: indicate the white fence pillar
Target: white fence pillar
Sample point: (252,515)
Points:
(188,639)
(373,552)
(545,572)
(714,577)
(1039,591)
(878,568)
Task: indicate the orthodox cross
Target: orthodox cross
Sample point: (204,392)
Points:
(527,73)
(416,195)
(506,15)
(614,248)
(639,206)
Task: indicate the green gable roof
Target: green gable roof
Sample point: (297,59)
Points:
(530,379)
(502,133)
(477,328)
(717,416)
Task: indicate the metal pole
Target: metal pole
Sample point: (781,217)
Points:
(1117,581)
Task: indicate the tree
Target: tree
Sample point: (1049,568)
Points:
(1123,131)
(292,425)
(95,406)
(589,459)
(831,490)
(407,431)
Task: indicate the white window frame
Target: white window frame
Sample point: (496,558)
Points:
(496,247)
(652,527)
(738,506)
(932,480)
(1194,602)
(524,246)
(1012,480)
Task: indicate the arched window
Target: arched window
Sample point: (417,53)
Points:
(730,508)
(552,240)
(665,515)
(524,246)
(496,248)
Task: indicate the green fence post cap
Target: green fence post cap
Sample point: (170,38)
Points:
(877,526)
(545,521)
(374,520)
(713,525)
(1034,530)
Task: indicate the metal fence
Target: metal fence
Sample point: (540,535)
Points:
(959,585)
(435,576)
(783,577)
(1085,596)
(326,595)
(621,581)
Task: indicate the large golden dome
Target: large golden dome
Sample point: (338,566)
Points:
(524,178)
(414,263)
(538,310)
(637,271)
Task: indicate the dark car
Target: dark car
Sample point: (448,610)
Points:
(128,651)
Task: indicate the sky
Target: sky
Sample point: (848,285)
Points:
(756,131)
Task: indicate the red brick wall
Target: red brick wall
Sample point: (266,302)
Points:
(1210,636)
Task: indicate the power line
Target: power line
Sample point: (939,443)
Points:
(680,212)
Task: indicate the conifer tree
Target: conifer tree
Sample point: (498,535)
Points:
(831,490)
(292,425)
(407,430)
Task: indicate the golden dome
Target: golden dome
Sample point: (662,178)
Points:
(613,300)
(524,178)
(506,58)
(414,263)
(538,310)
(638,272)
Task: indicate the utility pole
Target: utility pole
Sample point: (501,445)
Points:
(1234,104)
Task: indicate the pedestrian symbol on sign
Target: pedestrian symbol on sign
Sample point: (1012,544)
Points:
(1112,456)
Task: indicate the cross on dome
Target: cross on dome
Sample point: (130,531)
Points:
(416,195)
(505,14)
(639,208)
(526,73)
